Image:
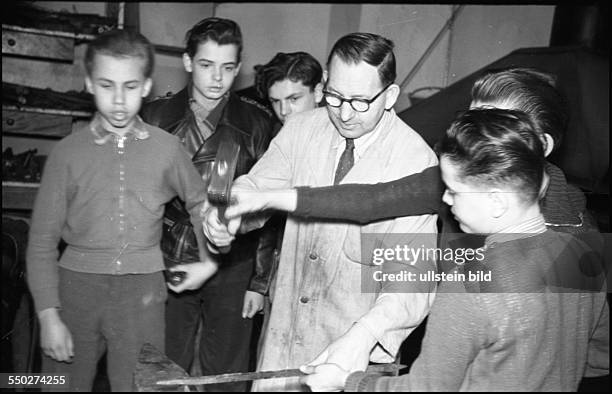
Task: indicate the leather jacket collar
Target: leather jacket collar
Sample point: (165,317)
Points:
(177,109)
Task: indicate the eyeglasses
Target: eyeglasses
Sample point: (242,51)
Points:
(358,104)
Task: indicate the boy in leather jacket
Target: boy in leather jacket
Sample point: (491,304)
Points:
(202,115)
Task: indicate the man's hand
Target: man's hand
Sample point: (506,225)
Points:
(324,377)
(350,352)
(196,275)
(253,303)
(216,231)
(55,338)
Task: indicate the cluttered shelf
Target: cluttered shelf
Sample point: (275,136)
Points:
(21,174)
(41,90)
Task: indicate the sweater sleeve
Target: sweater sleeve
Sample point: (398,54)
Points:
(48,220)
(416,194)
(453,336)
(598,357)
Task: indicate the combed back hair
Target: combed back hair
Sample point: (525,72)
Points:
(121,44)
(371,48)
(222,31)
(296,67)
(496,147)
(529,90)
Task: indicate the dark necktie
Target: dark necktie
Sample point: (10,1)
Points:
(346,161)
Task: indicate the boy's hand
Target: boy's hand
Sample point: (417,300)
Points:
(246,201)
(196,275)
(253,303)
(55,338)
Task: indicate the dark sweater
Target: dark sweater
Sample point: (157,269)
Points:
(563,206)
(416,194)
(504,335)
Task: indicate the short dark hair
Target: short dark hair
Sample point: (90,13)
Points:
(121,43)
(496,147)
(529,90)
(371,48)
(220,30)
(295,66)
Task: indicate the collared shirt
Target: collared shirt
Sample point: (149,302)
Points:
(206,120)
(365,141)
(137,131)
(104,195)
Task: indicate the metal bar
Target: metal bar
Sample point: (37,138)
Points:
(282,373)
(430,48)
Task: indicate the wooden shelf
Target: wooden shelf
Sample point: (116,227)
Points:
(50,33)
(38,122)
(32,53)
(19,195)
(48,111)
(38,44)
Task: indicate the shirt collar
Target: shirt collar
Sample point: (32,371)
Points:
(525,229)
(212,116)
(365,141)
(137,130)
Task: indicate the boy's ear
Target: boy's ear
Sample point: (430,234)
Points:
(544,186)
(237,69)
(391,96)
(88,84)
(148,84)
(325,75)
(549,144)
(187,63)
(499,202)
(318,92)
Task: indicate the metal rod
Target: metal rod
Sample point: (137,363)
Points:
(282,373)
(430,48)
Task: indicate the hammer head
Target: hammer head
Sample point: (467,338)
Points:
(224,168)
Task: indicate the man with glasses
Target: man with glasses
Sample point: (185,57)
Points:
(320,311)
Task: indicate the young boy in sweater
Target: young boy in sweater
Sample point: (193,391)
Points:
(103,192)
(541,322)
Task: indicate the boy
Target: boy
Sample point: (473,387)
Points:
(103,192)
(535,93)
(529,328)
(203,114)
(292,82)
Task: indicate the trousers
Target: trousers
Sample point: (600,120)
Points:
(112,313)
(225,336)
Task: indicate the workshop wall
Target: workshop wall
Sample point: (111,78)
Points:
(479,35)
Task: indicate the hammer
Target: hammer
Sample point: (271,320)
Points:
(220,185)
